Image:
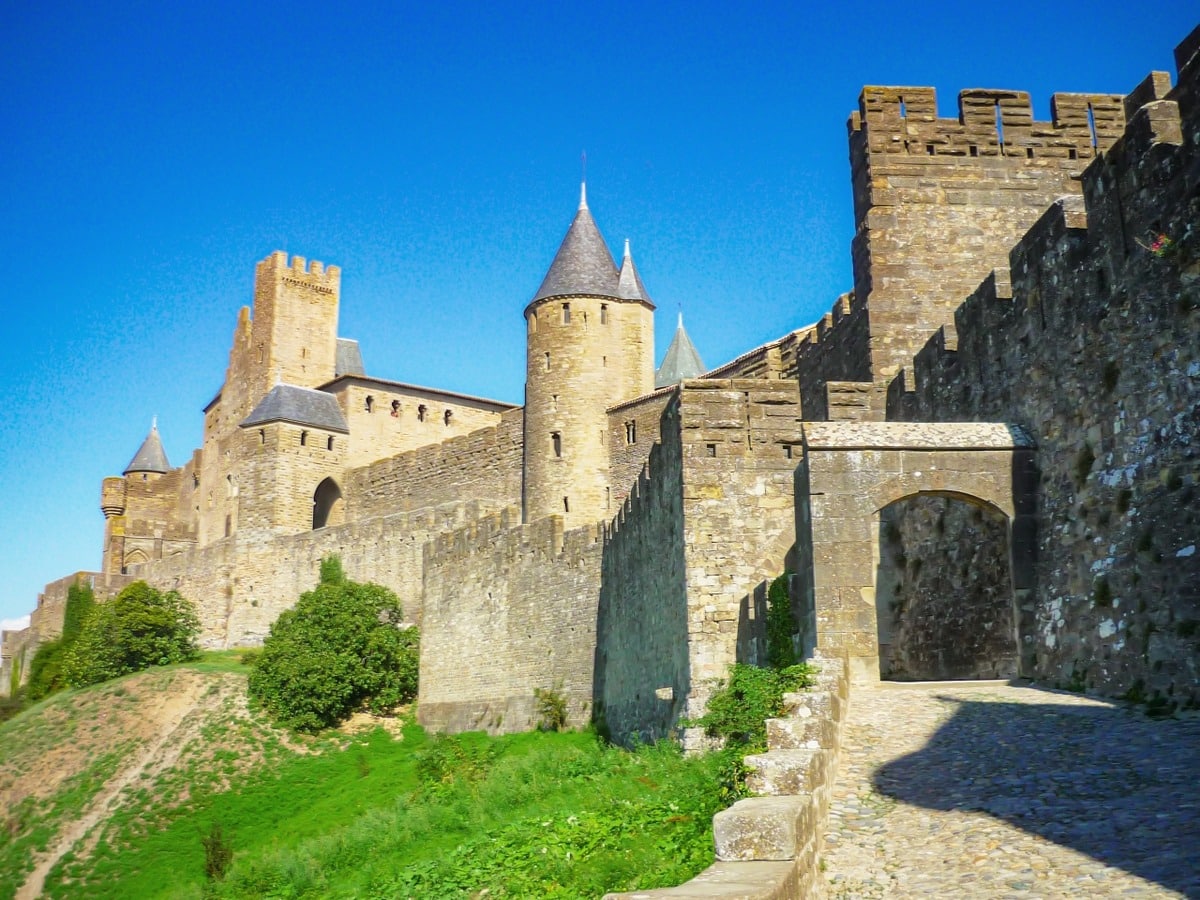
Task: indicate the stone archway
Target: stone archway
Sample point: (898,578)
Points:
(328,506)
(851,471)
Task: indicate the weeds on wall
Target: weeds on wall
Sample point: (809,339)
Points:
(781,624)
(551,708)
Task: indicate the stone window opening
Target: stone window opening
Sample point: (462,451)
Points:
(329,443)
(608,498)
(556,443)
(1000,127)
(328,506)
(566,504)
(447,416)
(533,323)
(195,481)
(304,439)
(210,499)
(229,492)
(603,313)
(1092,126)
(262,436)
(631,431)
(585,321)
(547,360)
(421,413)
(145,477)
(228,525)
(369,403)
(712,449)
(604,362)
(395,409)
(566,315)
(903,108)
(554,402)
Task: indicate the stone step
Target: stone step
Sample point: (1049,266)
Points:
(731,881)
(808,733)
(787,772)
(764,828)
(815,703)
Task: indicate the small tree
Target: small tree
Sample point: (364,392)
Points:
(141,627)
(340,649)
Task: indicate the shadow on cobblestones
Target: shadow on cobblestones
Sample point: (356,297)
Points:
(1105,781)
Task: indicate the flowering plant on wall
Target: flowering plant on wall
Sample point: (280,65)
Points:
(1160,245)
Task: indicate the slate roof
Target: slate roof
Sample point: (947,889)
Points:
(349,358)
(150,456)
(682,361)
(300,406)
(629,284)
(583,264)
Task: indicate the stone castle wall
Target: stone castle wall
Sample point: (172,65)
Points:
(633,429)
(509,609)
(1092,344)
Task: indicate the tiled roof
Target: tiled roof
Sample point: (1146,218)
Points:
(682,361)
(300,406)
(583,264)
(629,285)
(150,456)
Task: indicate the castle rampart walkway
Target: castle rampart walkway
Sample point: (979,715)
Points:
(990,790)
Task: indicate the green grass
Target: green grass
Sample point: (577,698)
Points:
(531,815)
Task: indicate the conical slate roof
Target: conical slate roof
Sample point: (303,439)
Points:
(150,456)
(682,361)
(583,264)
(629,284)
(300,406)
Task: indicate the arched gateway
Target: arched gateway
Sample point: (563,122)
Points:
(850,471)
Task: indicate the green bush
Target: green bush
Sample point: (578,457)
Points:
(781,651)
(340,649)
(46,675)
(81,600)
(141,627)
(551,709)
(738,710)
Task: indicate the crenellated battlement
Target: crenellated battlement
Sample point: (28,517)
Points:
(990,123)
(310,273)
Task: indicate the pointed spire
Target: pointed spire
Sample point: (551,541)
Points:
(583,263)
(150,456)
(682,361)
(629,283)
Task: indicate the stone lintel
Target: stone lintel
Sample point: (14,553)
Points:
(914,436)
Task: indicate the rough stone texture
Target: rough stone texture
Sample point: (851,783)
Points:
(1094,349)
(632,431)
(993,790)
(944,604)
(509,608)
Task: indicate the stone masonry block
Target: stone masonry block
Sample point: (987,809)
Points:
(786,772)
(801,733)
(764,828)
(772,880)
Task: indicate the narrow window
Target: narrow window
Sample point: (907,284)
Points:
(608,498)
(712,449)
(369,403)
(604,361)
(329,443)
(974,150)
(195,482)
(447,416)
(228,526)
(603,313)
(210,499)
(260,353)
(395,409)
(787,451)
(556,443)
(631,431)
(903,109)
(566,313)
(1029,153)
(304,353)
(554,402)
(262,435)
(1000,127)
(421,413)
(1072,153)
(533,323)
(929,149)
(547,360)
(228,485)
(585,321)
(304,439)
(566,505)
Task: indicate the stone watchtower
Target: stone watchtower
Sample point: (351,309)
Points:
(590,345)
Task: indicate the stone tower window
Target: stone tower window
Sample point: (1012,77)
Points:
(631,431)
(262,435)
(304,439)
(556,443)
(608,498)
(547,360)
(369,403)
(329,443)
(421,413)
(447,416)
(566,505)
(228,526)
(228,485)
(603,313)
(554,402)
(533,323)
(396,409)
(566,313)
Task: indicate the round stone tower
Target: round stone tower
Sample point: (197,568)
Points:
(590,345)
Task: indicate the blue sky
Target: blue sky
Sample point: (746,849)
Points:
(152,153)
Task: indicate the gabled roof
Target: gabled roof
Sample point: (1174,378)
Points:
(583,264)
(349,358)
(682,361)
(629,284)
(150,456)
(300,406)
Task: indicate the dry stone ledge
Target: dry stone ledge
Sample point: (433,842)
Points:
(783,772)
(763,828)
(730,881)
(807,733)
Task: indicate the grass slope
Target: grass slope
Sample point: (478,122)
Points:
(532,815)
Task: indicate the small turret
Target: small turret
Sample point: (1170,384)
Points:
(682,361)
(629,284)
(150,458)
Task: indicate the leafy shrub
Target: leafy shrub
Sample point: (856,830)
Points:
(141,627)
(551,709)
(781,652)
(449,761)
(81,600)
(340,649)
(738,710)
(218,853)
(46,671)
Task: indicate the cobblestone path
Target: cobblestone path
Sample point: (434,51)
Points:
(998,791)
